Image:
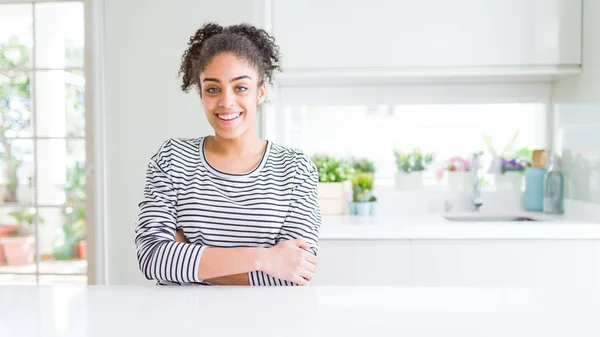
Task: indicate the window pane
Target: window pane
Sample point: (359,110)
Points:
(16,36)
(375,132)
(61,233)
(61,171)
(16,171)
(15,104)
(59,33)
(60,101)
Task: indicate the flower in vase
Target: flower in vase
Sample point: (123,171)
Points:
(515,164)
(458,164)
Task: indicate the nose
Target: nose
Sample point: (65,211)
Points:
(227,99)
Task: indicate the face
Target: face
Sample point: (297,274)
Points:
(230,94)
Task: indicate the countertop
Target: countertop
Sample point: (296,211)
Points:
(437,227)
(102,311)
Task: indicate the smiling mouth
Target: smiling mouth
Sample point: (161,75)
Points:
(229,116)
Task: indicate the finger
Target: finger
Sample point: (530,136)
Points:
(311,258)
(310,267)
(307,274)
(179,236)
(300,243)
(299,280)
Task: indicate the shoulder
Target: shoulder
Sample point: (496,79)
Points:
(294,158)
(176,147)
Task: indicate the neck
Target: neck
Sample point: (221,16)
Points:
(245,144)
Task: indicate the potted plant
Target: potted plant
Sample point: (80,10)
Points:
(363,165)
(511,175)
(410,166)
(19,245)
(458,173)
(334,187)
(362,187)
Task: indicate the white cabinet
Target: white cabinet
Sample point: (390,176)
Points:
(459,263)
(381,34)
(363,263)
(505,262)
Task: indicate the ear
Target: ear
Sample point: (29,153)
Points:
(262,92)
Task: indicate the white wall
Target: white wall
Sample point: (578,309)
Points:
(144,41)
(577,116)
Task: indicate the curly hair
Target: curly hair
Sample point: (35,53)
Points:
(247,42)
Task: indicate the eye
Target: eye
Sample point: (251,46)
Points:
(241,89)
(212,90)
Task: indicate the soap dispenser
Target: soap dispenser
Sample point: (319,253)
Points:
(533,197)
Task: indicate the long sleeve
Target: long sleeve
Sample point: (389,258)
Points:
(159,256)
(303,220)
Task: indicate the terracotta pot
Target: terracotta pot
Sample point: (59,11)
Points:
(5,230)
(18,250)
(82,249)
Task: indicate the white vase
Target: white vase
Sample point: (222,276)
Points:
(409,181)
(509,180)
(459,180)
(334,197)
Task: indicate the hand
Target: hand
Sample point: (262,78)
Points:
(289,261)
(180,237)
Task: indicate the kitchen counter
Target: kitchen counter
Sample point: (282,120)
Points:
(101,311)
(436,227)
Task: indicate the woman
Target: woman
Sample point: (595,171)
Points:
(231,208)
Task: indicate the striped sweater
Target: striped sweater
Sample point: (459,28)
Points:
(276,201)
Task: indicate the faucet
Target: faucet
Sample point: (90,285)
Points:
(476,199)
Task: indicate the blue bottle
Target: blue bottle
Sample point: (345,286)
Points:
(554,184)
(533,197)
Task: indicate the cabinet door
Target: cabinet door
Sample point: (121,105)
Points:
(363,263)
(506,262)
(378,34)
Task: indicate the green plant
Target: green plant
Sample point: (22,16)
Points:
(413,161)
(332,169)
(75,195)
(363,165)
(25,218)
(362,186)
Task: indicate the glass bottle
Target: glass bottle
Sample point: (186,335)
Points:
(553,188)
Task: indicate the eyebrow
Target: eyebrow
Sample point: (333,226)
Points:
(208,79)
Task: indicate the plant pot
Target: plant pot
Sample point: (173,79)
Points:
(459,180)
(409,181)
(5,230)
(18,250)
(352,208)
(373,210)
(509,180)
(82,250)
(363,208)
(334,197)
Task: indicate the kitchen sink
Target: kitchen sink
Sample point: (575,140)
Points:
(486,218)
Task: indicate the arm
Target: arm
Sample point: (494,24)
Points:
(303,221)
(237,279)
(160,257)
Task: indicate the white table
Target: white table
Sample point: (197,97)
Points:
(112,311)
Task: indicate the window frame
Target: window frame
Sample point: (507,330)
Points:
(94,148)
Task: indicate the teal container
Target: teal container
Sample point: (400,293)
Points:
(363,208)
(533,197)
(352,208)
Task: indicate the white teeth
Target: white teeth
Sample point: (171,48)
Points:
(229,117)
